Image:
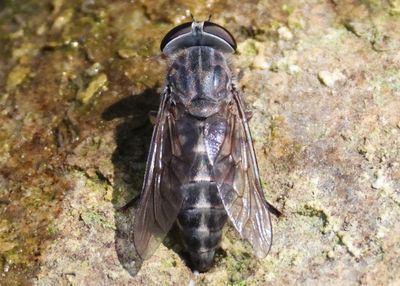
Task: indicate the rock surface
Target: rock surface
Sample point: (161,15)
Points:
(78,78)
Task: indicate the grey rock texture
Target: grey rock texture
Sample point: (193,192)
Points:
(78,78)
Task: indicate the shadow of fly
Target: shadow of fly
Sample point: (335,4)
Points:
(201,168)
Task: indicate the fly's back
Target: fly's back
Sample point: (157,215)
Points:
(201,169)
(200,81)
(202,215)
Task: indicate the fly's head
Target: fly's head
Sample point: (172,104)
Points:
(199,78)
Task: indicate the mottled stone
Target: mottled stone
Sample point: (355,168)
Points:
(321,80)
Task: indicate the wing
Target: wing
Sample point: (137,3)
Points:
(238,181)
(160,200)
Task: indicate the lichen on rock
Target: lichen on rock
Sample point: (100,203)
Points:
(78,79)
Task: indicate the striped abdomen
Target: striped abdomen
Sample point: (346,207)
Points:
(200,221)
(202,215)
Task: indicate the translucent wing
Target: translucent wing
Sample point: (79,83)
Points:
(160,200)
(239,186)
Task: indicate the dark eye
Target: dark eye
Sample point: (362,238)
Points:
(198,34)
(176,33)
(220,32)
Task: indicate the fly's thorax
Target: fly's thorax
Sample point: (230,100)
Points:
(200,80)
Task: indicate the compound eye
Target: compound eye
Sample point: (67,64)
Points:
(220,32)
(198,34)
(180,30)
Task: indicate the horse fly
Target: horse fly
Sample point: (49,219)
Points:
(201,168)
